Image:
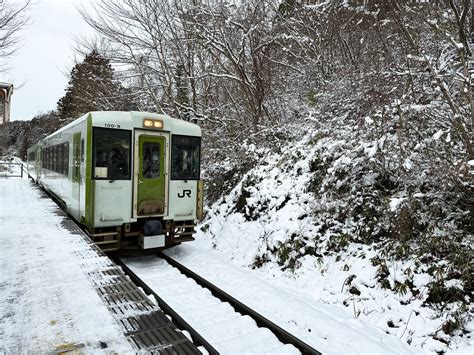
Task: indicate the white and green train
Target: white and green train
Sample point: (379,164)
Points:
(132,179)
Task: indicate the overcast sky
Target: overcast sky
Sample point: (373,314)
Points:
(45,56)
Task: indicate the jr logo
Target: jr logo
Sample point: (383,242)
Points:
(184,193)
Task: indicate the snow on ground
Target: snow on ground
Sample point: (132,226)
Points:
(226,330)
(46,299)
(294,307)
(47,302)
(320,292)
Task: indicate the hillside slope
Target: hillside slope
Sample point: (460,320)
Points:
(322,211)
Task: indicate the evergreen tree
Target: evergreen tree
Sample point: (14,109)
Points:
(92,87)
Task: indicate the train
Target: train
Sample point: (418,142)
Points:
(130,179)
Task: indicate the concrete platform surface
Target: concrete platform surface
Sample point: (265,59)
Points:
(47,301)
(59,293)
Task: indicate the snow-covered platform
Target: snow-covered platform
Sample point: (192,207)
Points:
(59,292)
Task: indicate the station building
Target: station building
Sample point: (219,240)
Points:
(6,91)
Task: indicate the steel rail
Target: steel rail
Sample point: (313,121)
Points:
(177,319)
(261,321)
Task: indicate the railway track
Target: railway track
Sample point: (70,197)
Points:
(264,336)
(260,335)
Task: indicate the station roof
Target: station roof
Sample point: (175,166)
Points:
(7,87)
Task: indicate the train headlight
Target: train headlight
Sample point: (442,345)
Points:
(149,123)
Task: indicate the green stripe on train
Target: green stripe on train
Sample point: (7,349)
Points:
(89,186)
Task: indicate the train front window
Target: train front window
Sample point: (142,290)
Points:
(186,156)
(111,154)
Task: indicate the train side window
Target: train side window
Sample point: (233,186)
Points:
(31,157)
(55,158)
(151,160)
(111,154)
(82,149)
(59,163)
(76,166)
(50,158)
(186,156)
(66,158)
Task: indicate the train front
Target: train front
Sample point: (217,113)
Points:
(150,163)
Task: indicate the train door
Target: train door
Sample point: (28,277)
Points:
(76,174)
(150,172)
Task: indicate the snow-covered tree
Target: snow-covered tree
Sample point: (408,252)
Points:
(152,45)
(93,87)
(12,20)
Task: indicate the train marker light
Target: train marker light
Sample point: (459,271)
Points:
(152,123)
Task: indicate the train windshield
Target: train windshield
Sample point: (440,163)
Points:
(111,154)
(186,155)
